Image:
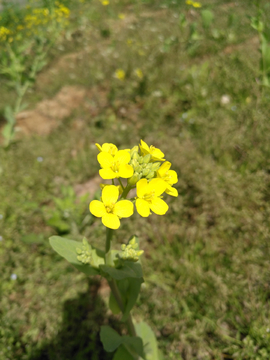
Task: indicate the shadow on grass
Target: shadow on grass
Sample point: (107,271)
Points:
(78,339)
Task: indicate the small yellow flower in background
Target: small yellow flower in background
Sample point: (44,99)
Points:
(115,166)
(148,197)
(121,16)
(4,32)
(169,177)
(107,147)
(139,73)
(105,2)
(110,209)
(129,41)
(156,154)
(120,74)
(193,3)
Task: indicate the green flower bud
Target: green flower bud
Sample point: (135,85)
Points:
(134,151)
(140,160)
(147,158)
(151,175)
(155,166)
(84,253)
(145,172)
(129,251)
(134,179)
(135,156)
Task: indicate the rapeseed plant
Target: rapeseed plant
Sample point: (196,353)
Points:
(145,169)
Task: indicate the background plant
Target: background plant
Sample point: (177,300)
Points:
(24,46)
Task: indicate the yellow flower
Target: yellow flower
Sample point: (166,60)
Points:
(115,166)
(107,147)
(156,154)
(169,177)
(194,4)
(139,73)
(129,41)
(120,74)
(105,2)
(109,209)
(4,32)
(149,197)
(121,16)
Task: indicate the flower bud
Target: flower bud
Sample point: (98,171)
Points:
(145,172)
(140,160)
(147,158)
(134,151)
(134,179)
(150,175)
(135,156)
(155,166)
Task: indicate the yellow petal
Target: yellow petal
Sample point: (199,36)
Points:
(109,148)
(99,147)
(111,221)
(142,207)
(158,186)
(156,154)
(142,187)
(171,191)
(159,206)
(144,147)
(97,208)
(173,177)
(110,195)
(123,208)
(122,156)
(105,159)
(107,174)
(164,168)
(125,171)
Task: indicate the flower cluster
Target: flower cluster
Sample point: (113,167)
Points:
(4,33)
(144,168)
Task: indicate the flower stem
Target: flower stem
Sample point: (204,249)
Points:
(122,186)
(114,288)
(125,192)
(109,234)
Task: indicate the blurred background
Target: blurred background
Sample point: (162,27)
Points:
(191,78)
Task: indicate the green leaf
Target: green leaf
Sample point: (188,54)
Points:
(207,18)
(57,222)
(129,270)
(149,341)
(110,338)
(122,354)
(132,293)
(113,305)
(67,249)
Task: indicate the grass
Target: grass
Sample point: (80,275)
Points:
(206,291)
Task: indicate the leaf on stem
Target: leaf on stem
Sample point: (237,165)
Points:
(129,270)
(68,250)
(111,340)
(149,341)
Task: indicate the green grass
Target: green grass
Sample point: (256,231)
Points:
(206,291)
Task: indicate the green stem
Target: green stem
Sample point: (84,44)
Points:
(109,234)
(126,191)
(114,288)
(118,298)
(122,186)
